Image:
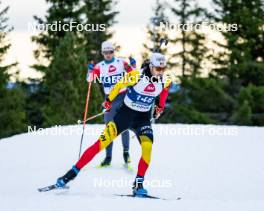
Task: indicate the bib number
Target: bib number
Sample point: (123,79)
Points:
(145,99)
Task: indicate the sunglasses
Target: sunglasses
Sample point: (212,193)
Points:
(159,69)
(107,52)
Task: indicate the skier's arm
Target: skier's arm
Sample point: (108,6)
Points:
(127,67)
(129,79)
(159,107)
(164,94)
(93,73)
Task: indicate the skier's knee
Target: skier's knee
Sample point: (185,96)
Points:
(146,145)
(146,131)
(108,135)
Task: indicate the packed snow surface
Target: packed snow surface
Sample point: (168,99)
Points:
(209,167)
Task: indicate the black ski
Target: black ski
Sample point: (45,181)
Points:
(145,196)
(51,187)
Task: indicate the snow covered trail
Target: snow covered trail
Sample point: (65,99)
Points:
(208,170)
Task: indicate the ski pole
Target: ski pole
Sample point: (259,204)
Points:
(92,117)
(85,115)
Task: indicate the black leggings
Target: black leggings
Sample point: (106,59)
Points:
(139,122)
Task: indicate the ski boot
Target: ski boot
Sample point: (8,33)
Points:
(126,157)
(70,175)
(138,189)
(106,162)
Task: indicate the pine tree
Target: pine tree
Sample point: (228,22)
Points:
(62,12)
(192,43)
(64,77)
(243,115)
(197,53)
(65,82)
(4,30)
(154,34)
(12,115)
(97,13)
(242,60)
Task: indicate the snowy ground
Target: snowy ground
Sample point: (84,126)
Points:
(209,171)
